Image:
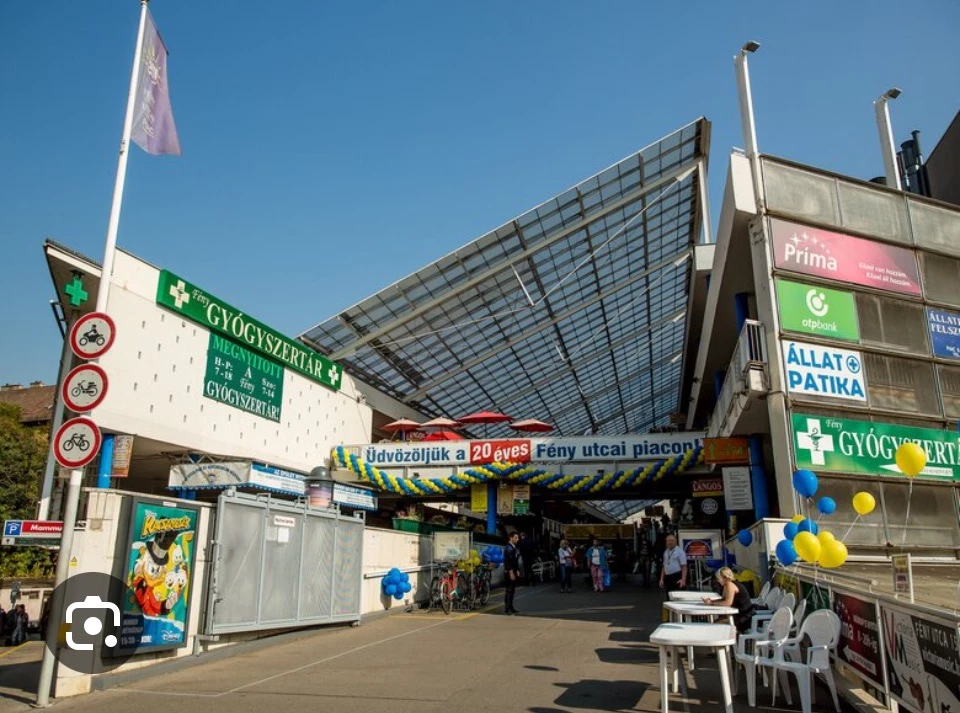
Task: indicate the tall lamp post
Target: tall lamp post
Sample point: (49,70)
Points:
(881,108)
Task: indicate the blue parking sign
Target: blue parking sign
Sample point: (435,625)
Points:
(12,528)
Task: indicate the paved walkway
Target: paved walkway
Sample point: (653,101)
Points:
(570,652)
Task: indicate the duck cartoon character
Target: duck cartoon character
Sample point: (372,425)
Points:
(148,579)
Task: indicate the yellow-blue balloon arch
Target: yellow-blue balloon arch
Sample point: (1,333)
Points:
(517,472)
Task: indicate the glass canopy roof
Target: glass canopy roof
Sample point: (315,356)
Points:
(573,313)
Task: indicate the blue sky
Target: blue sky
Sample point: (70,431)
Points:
(332,148)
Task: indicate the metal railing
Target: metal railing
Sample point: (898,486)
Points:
(749,352)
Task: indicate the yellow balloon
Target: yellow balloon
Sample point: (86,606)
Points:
(807,546)
(864,503)
(833,555)
(911,459)
(825,538)
(797,519)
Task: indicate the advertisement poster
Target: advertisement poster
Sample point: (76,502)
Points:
(843,445)
(122,455)
(707,487)
(923,661)
(857,261)
(944,332)
(478,497)
(814,370)
(859,645)
(737,488)
(902,574)
(701,544)
(521,499)
(817,310)
(163,539)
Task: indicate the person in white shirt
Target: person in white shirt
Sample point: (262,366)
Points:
(673,574)
(565,556)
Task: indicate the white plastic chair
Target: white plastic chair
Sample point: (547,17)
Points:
(822,629)
(761,619)
(799,614)
(763,594)
(776,634)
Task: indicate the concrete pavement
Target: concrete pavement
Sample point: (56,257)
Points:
(566,652)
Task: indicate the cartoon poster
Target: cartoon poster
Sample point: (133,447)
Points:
(923,662)
(159,574)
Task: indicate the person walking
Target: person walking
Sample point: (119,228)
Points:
(511,570)
(20,622)
(565,557)
(597,559)
(673,573)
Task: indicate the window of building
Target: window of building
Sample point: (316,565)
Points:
(890,323)
(941,275)
(933,515)
(901,384)
(863,531)
(950,390)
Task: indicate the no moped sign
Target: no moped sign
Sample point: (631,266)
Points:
(92,335)
(84,388)
(77,443)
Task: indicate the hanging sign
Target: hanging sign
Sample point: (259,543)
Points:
(859,645)
(726,450)
(200,306)
(76,443)
(241,378)
(92,335)
(478,497)
(817,310)
(944,332)
(521,499)
(84,388)
(814,370)
(505,499)
(843,445)
(361,498)
(823,253)
(122,455)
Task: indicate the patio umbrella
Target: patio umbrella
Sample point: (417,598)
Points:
(403,426)
(531,425)
(443,436)
(441,422)
(485,418)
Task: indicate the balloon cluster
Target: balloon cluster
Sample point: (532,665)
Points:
(470,562)
(803,538)
(396,584)
(492,555)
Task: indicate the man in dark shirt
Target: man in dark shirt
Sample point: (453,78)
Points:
(511,571)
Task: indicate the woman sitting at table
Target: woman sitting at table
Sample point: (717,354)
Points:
(734,594)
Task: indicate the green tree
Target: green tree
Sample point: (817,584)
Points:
(23,455)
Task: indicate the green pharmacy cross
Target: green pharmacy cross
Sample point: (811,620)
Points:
(75,291)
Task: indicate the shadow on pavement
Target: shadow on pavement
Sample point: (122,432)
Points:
(602,695)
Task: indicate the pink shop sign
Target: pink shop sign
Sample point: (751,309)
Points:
(857,261)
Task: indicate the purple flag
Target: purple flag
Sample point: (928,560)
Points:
(153,128)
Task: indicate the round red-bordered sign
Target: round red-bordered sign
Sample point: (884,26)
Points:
(92,335)
(77,442)
(84,388)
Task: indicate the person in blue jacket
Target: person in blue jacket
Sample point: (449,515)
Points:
(597,560)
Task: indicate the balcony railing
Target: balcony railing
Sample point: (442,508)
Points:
(749,353)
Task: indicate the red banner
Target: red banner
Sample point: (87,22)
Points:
(41,527)
(482,452)
(836,256)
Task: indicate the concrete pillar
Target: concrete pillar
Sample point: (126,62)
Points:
(492,507)
(106,461)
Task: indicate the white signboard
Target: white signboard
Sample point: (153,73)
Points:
(632,448)
(196,476)
(814,370)
(737,488)
(361,498)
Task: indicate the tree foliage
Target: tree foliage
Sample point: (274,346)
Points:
(23,456)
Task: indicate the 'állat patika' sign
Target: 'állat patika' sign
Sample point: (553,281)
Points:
(842,445)
(243,379)
(203,308)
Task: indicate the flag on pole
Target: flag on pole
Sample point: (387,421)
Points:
(153,128)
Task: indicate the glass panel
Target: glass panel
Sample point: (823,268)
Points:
(874,212)
(801,193)
(868,531)
(941,275)
(935,228)
(933,515)
(901,384)
(950,390)
(891,323)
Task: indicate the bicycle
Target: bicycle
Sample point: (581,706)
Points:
(480,584)
(447,587)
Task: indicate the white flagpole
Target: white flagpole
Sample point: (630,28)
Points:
(76,475)
(110,248)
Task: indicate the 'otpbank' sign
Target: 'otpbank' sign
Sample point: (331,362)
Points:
(815,370)
(633,448)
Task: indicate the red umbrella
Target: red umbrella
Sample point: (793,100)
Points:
(441,422)
(531,425)
(443,436)
(485,417)
(404,425)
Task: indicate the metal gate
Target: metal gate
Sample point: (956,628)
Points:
(279,564)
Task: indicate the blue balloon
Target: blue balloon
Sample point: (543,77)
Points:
(745,538)
(786,552)
(398,596)
(808,525)
(790,530)
(805,482)
(390,589)
(827,505)
(406,587)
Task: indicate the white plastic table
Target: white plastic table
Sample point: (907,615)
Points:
(686,595)
(684,611)
(716,637)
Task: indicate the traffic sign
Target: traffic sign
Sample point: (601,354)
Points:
(92,335)
(84,388)
(77,442)
(39,533)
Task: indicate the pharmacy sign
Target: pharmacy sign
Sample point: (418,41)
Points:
(842,445)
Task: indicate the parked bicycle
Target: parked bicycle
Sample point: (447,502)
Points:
(480,584)
(450,586)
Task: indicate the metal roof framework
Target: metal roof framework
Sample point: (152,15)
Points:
(573,313)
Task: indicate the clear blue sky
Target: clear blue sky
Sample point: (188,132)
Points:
(332,148)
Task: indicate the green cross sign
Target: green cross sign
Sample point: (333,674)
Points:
(75,291)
